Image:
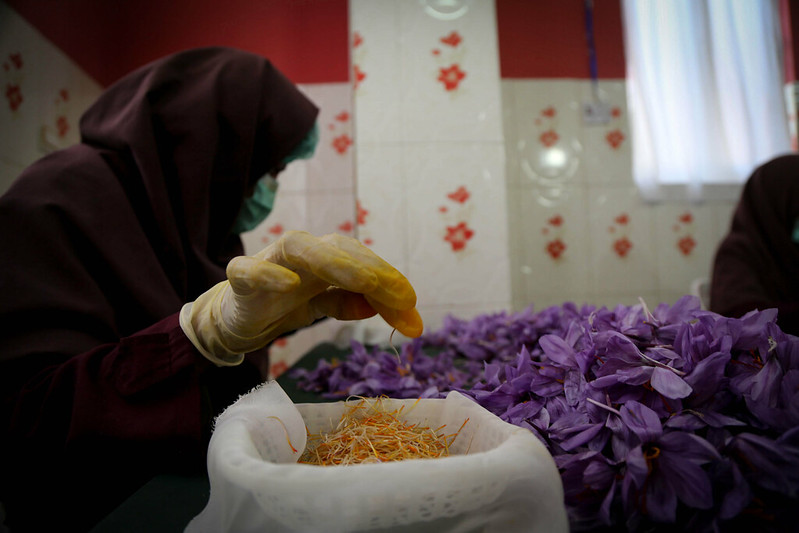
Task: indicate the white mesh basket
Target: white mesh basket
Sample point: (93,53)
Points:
(506,482)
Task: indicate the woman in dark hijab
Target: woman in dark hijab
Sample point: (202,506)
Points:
(104,382)
(757,263)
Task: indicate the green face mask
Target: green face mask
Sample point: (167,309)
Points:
(257,207)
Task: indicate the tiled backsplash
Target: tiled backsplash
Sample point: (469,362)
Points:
(489,194)
(43,96)
(579,230)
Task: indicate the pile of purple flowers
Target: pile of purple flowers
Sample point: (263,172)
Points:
(677,416)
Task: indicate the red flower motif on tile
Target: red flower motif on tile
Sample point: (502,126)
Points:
(460,195)
(453,39)
(622,246)
(62,125)
(436,52)
(443,209)
(615,112)
(277,229)
(358,74)
(343,116)
(549,138)
(342,143)
(555,248)
(556,220)
(686,245)
(16,60)
(357,40)
(14,96)
(615,138)
(549,112)
(458,236)
(64,95)
(362,213)
(451,76)
(686,218)
(346,226)
(622,219)
(368,242)
(277,369)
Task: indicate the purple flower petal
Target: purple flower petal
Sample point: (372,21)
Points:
(642,421)
(669,384)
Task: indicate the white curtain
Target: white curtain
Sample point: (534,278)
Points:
(705,91)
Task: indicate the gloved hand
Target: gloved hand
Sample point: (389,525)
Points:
(288,285)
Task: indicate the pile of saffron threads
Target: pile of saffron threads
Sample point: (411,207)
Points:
(369,433)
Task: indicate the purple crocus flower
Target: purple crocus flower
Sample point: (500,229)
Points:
(666,469)
(673,414)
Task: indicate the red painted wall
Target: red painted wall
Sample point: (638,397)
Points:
(547,39)
(306,39)
(789,19)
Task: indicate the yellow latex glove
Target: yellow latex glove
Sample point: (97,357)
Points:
(288,285)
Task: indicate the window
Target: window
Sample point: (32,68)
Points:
(705,90)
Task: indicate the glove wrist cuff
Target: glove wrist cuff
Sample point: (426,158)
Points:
(200,321)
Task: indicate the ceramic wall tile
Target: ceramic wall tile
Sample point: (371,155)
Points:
(290,212)
(9,171)
(550,241)
(722,218)
(294,177)
(44,93)
(612,299)
(458,239)
(450,75)
(623,256)
(436,315)
(376,68)
(382,198)
(332,164)
(25,83)
(510,132)
(606,133)
(331,212)
(548,139)
(686,245)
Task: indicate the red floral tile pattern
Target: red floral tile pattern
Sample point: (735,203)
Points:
(453,39)
(14,96)
(458,236)
(340,127)
(358,75)
(615,136)
(461,195)
(450,71)
(555,247)
(622,245)
(362,213)
(12,67)
(456,216)
(683,227)
(451,77)
(547,126)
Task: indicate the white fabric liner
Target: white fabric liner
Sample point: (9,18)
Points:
(507,482)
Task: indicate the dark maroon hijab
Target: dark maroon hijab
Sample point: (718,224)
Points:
(102,244)
(104,238)
(757,263)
